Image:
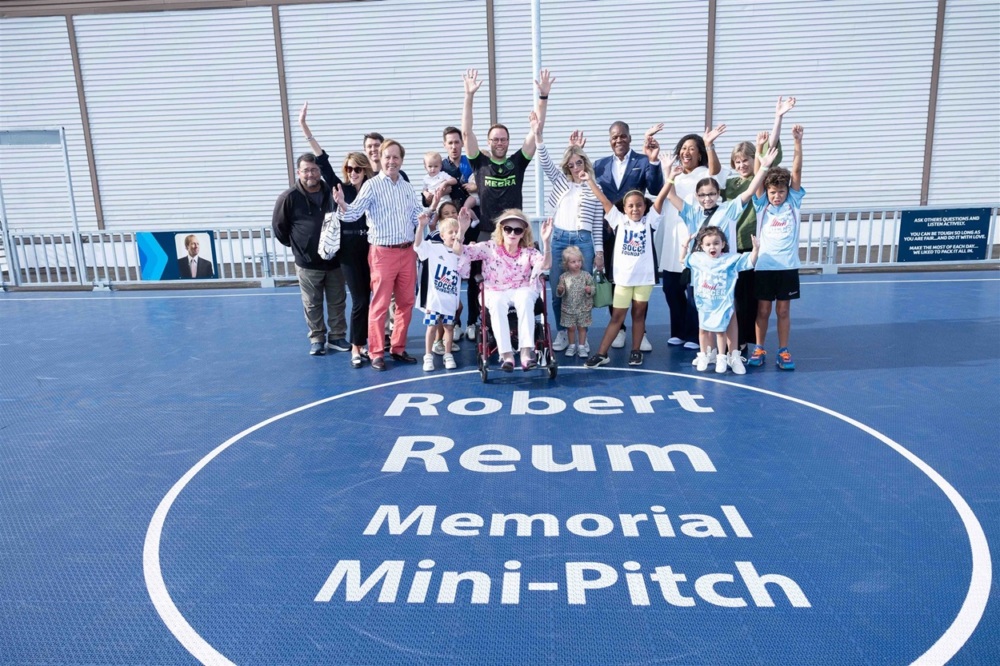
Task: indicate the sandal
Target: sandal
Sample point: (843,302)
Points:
(357,361)
(507,366)
(530,364)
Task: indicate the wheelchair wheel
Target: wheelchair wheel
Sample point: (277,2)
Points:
(483,372)
(553,371)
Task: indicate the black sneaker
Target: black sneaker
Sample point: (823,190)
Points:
(340,344)
(635,358)
(317,349)
(597,360)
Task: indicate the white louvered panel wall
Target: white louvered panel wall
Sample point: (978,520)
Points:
(611,63)
(861,73)
(185,116)
(393,67)
(38,91)
(965,166)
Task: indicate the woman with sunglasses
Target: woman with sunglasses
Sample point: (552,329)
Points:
(511,268)
(353,253)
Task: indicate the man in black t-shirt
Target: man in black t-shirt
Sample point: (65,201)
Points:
(499,177)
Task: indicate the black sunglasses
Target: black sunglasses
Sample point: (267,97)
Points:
(517,231)
(354,169)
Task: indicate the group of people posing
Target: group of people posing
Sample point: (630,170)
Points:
(724,242)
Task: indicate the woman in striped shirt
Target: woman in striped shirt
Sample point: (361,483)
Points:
(577,215)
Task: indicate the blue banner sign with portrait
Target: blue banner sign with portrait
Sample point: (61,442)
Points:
(176,255)
(953,234)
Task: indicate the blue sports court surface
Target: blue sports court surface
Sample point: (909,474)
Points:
(181,482)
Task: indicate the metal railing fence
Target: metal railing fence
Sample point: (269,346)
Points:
(829,241)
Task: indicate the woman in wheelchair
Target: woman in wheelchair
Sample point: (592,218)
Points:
(511,274)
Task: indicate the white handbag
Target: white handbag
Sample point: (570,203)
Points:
(329,239)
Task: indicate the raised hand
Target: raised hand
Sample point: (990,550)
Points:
(536,126)
(584,176)
(768,159)
(472,82)
(711,134)
(544,82)
(761,139)
(675,171)
(547,232)
(464,219)
(577,139)
(303,112)
(654,129)
(423,220)
(784,106)
(797,132)
(338,196)
(651,148)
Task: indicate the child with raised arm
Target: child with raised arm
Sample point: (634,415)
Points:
(634,274)
(440,294)
(778,203)
(725,215)
(713,275)
(575,289)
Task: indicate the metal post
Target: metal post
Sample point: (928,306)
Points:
(12,266)
(81,265)
(536,67)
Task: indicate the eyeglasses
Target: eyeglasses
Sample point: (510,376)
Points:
(354,169)
(708,195)
(499,140)
(310,170)
(516,231)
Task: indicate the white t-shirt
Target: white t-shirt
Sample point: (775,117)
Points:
(778,231)
(567,215)
(431,183)
(443,278)
(672,232)
(633,262)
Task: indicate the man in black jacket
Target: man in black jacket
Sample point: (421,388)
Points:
(297,223)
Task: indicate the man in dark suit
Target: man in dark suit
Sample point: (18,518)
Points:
(619,173)
(191,265)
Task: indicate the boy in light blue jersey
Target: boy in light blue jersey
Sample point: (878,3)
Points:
(778,203)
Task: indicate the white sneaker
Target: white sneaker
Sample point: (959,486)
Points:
(711,355)
(701,362)
(449,361)
(674,341)
(721,364)
(438,347)
(736,363)
(470,332)
(619,340)
(561,341)
(583,351)
(455,347)
(692,345)
(428,362)
(570,350)
(458,334)
(644,346)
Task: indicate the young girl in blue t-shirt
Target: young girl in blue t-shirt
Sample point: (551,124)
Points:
(713,277)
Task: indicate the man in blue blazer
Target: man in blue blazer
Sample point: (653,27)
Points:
(616,175)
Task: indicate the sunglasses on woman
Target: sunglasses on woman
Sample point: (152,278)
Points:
(355,169)
(516,231)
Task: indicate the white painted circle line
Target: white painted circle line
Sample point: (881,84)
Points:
(950,642)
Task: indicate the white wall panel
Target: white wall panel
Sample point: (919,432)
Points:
(965,166)
(38,91)
(185,116)
(393,67)
(861,73)
(642,62)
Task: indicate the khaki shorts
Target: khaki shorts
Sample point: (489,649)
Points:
(625,295)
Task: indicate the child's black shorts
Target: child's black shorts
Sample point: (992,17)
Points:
(776,285)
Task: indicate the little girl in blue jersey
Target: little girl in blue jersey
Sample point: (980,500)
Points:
(726,216)
(713,277)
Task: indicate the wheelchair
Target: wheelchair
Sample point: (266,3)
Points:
(486,345)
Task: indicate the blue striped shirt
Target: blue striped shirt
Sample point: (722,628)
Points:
(391,207)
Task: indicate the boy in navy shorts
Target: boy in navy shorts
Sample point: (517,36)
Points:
(778,204)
